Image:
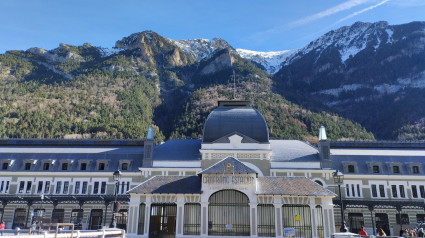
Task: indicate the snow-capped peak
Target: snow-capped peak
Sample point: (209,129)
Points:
(271,61)
(200,48)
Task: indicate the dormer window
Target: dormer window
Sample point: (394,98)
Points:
(375,169)
(27,166)
(5,166)
(64,166)
(396,169)
(46,166)
(101,165)
(415,169)
(124,165)
(349,166)
(6,163)
(83,166)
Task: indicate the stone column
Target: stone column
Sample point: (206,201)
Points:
(328,220)
(148,204)
(133,217)
(313,215)
(180,216)
(278,219)
(253,219)
(204,218)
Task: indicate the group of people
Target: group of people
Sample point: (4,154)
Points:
(380,232)
(412,232)
(405,233)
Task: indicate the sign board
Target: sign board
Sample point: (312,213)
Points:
(228,226)
(289,232)
(297,217)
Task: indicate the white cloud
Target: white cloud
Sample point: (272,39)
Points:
(361,11)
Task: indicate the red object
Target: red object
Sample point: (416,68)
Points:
(362,232)
(2,226)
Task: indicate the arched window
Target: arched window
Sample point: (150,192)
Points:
(228,214)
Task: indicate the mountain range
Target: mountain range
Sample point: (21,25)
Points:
(362,82)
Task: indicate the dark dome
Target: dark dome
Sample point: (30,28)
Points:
(231,117)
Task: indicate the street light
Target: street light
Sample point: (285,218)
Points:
(339,179)
(117,177)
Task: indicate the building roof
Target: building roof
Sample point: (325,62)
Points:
(169,184)
(228,165)
(17,153)
(178,150)
(293,151)
(228,119)
(290,186)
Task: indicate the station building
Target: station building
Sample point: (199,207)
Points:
(235,181)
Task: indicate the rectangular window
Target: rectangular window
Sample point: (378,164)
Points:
(402,194)
(65,187)
(101,166)
(40,187)
(394,190)
(28,190)
(84,188)
(77,188)
(103,188)
(382,191)
(421,191)
(96,188)
(83,166)
(347,189)
(27,166)
(414,191)
(65,166)
(1,186)
(7,187)
(58,187)
(358,190)
(5,166)
(46,166)
(124,166)
(375,169)
(47,187)
(352,190)
(374,191)
(122,187)
(21,186)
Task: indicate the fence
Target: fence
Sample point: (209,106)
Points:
(27,233)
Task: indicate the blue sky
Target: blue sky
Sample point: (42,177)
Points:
(255,25)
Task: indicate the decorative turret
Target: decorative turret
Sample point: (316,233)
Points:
(148,148)
(324,149)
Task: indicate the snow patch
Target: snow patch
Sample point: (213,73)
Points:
(271,61)
(390,36)
(105,52)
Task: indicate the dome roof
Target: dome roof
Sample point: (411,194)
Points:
(235,117)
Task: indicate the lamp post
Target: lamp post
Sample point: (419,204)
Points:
(117,177)
(339,179)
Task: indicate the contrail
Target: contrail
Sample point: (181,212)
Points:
(360,12)
(330,11)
